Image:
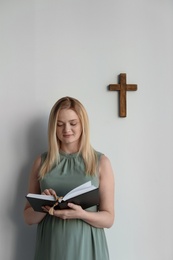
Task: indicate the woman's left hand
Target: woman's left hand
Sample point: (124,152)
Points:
(74,212)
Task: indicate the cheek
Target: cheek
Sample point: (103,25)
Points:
(58,132)
(79,131)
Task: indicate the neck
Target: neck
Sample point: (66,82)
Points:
(69,149)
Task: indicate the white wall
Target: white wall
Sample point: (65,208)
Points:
(54,48)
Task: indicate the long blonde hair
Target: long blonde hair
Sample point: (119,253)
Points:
(85,148)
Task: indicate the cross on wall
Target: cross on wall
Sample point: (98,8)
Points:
(122,87)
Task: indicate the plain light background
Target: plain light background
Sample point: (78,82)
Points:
(53,48)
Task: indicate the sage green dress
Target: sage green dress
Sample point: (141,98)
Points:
(74,239)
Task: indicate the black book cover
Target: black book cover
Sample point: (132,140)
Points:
(85,200)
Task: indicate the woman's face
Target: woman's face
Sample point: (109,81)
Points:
(69,127)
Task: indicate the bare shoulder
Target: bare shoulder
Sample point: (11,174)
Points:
(35,168)
(105,169)
(105,164)
(34,186)
(34,176)
(37,162)
(104,159)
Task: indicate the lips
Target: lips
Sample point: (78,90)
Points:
(67,136)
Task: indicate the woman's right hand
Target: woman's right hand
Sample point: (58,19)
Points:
(49,192)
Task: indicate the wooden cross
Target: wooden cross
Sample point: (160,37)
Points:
(122,87)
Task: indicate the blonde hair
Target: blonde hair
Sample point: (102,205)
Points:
(85,148)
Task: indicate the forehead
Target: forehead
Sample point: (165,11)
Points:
(67,114)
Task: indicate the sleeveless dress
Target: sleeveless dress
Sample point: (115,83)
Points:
(73,239)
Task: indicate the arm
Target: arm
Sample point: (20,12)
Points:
(105,217)
(31,216)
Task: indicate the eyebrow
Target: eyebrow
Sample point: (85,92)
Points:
(72,120)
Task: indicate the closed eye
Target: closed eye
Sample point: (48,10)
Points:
(72,123)
(60,124)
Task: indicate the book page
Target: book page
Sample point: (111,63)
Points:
(86,187)
(79,190)
(40,196)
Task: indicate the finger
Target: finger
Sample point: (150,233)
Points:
(72,206)
(49,192)
(46,192)
(52,192)
(45,209)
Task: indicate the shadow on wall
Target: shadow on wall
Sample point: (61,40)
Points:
(36,143)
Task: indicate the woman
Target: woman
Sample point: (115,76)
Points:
(75,233)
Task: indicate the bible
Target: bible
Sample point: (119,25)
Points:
(85,195)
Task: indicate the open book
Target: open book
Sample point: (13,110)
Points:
(85,195)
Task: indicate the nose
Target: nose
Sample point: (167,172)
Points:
(66,128)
